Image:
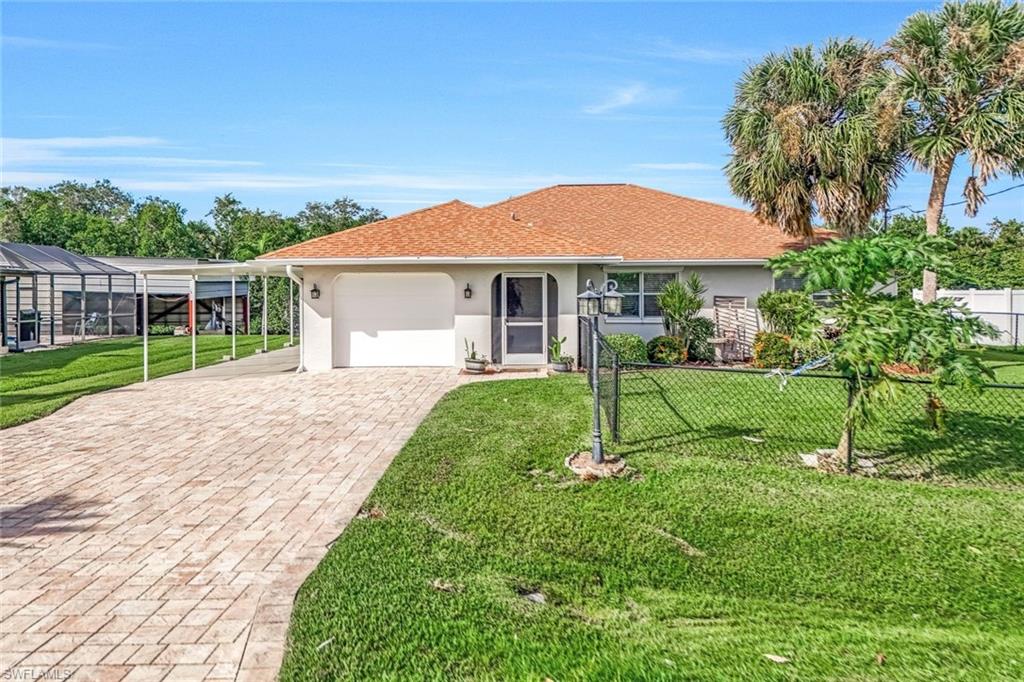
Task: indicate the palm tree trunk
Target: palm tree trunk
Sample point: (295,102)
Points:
(932,216)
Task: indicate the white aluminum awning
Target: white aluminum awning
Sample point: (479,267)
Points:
(230,270)
(254,268)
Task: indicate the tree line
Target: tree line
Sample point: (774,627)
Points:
(100,219)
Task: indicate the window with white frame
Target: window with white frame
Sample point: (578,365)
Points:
(640,292)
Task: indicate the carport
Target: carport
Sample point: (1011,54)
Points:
(232,271)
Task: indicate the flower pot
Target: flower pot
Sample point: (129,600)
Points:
(476,366)
(561,366)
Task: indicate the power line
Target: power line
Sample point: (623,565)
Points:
(961,203)
(887,211)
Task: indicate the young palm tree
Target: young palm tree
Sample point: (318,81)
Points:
(961,70)
(813,136)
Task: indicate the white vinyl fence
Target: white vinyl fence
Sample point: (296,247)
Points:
(1003,308)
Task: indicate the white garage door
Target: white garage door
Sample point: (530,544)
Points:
(388,320)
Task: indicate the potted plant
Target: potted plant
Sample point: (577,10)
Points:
(559,362)
(476,363)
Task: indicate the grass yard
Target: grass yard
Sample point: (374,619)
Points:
(1008,364)
(694,568)
(32,385)
(746,416)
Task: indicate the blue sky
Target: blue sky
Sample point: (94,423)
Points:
(397,106)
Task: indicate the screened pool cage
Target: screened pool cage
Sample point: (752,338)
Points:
(52,296)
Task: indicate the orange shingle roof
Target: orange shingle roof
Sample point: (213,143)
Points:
(624,220)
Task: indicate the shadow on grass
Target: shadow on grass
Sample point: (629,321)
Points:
(979,447)
(56,514)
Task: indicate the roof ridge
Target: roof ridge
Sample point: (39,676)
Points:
(357,228)
(686,198)
(520,196)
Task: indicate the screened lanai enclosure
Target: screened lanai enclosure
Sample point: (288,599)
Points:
(53,296)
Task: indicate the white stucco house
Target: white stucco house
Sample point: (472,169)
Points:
(413,289)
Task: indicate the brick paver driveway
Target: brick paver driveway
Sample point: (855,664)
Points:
(161,531)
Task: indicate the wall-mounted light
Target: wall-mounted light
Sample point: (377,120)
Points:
(314,293)
(467,292)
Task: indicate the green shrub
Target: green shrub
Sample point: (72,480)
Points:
(787,312)
(700,348)
(666,350)
(772,349)
(161,329)
(680,304)
(630,347)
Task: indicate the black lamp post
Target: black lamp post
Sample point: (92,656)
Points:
(590,304)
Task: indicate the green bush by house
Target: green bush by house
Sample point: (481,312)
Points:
(785,312)
(666,350)
(772,349)
(630,347)
(700,348)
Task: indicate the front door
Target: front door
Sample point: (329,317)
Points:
(523,306)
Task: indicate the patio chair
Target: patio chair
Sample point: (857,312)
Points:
(91,323)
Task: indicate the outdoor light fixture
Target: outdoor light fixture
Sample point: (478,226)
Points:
(314,293)
(611,302)
(590,304)
(467,292)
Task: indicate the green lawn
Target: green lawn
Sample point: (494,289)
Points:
(746,416)
(32,385)
(693,568)
(1008,364)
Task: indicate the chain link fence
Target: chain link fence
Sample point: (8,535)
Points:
(922,432)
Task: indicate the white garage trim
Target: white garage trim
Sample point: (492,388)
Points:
(394,320)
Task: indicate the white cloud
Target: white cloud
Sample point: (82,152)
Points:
(26,150)
(45,161)
(48,44)
(682,166)
(197,182)
(619,98)
(59,151)
(662,48)
(170,181)
(629,96)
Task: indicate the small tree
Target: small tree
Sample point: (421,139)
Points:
(881,332)
(681,303)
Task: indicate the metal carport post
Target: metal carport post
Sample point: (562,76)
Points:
(234,349)
(264,311)
(145,327)
(192,317)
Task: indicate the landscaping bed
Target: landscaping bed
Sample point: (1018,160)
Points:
(481,557)
(33,385)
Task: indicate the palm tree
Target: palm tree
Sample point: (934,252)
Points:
(961,71)
(813,137)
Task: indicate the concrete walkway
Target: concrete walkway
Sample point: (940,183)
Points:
(160,531)
(275,362)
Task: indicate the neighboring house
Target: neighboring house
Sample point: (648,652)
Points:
(412,289)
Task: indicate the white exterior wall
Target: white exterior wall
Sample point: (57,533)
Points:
(472,316)
(749,281)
